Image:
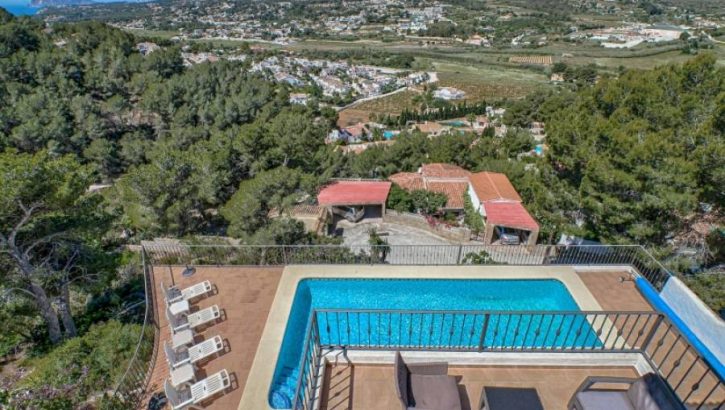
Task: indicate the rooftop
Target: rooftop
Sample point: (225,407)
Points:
(490,186)
(450,180)
(509,214)
(354,193)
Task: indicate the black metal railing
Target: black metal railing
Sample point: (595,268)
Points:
(131,388)
(630,255)
(650,334)
(308,383)
(472,331)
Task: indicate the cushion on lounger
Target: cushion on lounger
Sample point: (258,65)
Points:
(604,400)
(401,379)
(650,393)
(434,392)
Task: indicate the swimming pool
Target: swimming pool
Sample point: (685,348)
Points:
(424,330)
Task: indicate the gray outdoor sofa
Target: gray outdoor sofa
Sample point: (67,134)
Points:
(648,392)
(425,386)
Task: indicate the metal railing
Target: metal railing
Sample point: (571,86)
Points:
(632,255)
(471,331)
(131,388)
(650,334)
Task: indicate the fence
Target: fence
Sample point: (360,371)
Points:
(631,255)
(131,388)
(650,334)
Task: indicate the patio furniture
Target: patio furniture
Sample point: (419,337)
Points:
(182,375)
(509,398)
(425,386)
(192,320)
(189,398)
(182,338)
(649,392)
(194,353)
(173,294)
(179,308)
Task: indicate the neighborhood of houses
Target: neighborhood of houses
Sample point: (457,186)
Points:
(491,195)
(337,78)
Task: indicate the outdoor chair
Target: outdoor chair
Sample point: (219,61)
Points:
(425,386)
(173,294)
(192,320)
(194,353)
(191,397)
(649,392)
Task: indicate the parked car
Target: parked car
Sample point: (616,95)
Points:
(507,237)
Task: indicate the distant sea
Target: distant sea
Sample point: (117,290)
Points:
(19,7)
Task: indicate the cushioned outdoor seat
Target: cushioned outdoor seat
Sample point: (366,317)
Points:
(649,392)
(425,386)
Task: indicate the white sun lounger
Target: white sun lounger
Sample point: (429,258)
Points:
(198,392)
(192,320)
(173,294)
(194,353)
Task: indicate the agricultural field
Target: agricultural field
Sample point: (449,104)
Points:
(534,60)
(392,104)
(488,83)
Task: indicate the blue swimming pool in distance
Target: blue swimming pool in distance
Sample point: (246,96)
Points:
(422,330)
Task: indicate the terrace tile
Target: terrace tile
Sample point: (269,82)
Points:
(244,294)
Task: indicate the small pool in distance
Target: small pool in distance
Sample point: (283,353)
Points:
(410,294)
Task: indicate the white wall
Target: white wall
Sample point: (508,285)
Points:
(474,200)
(703,322)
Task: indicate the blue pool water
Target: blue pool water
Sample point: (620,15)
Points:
(430,329)
(388,134)
(455,123)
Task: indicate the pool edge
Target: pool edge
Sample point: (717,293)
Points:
(256,390)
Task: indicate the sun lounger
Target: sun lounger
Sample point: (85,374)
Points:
(192,320)
(173,294)
(198,392)
(193,354)
(212,385)
(649,392)
(425,386)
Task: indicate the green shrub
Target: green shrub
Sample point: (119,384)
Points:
(82,366)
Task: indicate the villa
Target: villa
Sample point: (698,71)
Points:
(449,93)
(320,327)
(449,180)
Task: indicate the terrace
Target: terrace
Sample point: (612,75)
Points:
(622,329)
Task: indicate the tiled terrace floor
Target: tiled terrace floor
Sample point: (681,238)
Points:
(368,387)
(244,295)
(613,294)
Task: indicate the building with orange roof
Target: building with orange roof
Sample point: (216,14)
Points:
(447,179)
(507,221)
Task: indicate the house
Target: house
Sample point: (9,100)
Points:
(557,78)
(506,219)
(432,129)
(357,132)
(355,200)
(447,179)
(537,131)
(147,48)
(299,98)
(449,93)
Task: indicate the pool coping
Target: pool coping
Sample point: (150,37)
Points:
(260,377)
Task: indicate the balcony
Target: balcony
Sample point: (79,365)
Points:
(622,334)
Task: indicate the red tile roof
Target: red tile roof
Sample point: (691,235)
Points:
(490,186)
(452,190)
(450,180)
(354,193)
(509,214)
(410,181)
(441,170)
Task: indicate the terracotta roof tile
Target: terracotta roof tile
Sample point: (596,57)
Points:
(354,193)
(509,214)
(490,186)
(454,191)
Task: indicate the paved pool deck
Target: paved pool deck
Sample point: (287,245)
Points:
(256,390)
